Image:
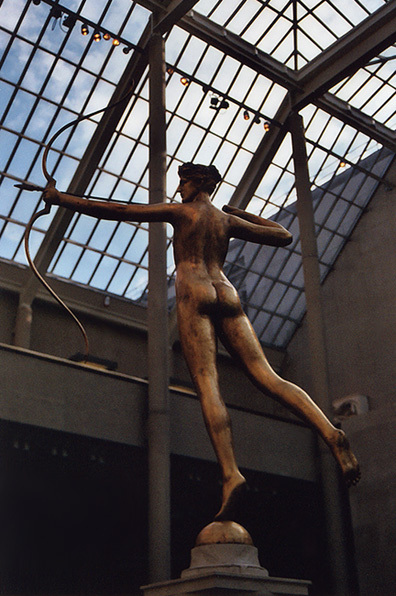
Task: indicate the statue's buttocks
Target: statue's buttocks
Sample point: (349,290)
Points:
(209,292)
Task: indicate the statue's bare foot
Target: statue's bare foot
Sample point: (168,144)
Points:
(346,459)
(232,488)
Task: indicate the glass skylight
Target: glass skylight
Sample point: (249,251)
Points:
(292,32)
(50,74)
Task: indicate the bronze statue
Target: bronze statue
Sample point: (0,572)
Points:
(208,307)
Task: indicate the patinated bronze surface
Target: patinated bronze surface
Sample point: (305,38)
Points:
(208,307)
(224,532)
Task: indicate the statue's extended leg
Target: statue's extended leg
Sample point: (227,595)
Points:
(199,347)
(238,336)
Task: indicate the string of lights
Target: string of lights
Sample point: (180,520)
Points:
(222,101)
(67,19)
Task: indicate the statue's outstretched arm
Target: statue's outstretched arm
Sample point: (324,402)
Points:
(254,228)
(107,210)
(261,221)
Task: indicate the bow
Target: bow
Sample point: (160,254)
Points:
(47,208)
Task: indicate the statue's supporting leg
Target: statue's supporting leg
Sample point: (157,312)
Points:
(238,336)
(199,347)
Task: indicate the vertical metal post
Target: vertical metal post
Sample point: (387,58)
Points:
(310,260)
(339,555)
(158,345)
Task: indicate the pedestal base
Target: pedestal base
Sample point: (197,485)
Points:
(232,559)
(227,569)
(224,562)
(228,584)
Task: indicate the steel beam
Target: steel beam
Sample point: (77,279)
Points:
(241,50)
(229,43)
(343,58)
(153,5)
(340,60)
(174,12)
(347,55)
(346,113)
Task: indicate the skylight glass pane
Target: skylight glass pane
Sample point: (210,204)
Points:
(137,285)
(68,260)
(83,270)
(138,246)
(121,279)
(104,273)
(244,16)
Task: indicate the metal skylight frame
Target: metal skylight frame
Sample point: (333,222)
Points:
(303,88)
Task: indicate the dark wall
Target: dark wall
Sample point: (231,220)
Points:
(359,299)
(73,515)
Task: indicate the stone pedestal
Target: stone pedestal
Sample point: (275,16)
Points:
(225,562)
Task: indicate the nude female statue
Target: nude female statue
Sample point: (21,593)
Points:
(208,306)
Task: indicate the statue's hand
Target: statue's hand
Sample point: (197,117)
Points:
(51,195)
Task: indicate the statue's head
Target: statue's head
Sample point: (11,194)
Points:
(207,176)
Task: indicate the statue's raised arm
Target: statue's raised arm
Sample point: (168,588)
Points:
(254,228)
(111,210)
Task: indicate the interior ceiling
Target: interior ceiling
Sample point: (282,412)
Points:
(333,61)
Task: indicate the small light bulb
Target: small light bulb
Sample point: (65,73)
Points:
(267,126)
(184,81)
(170,70)
(116,42)
(342,164)
(106,36)
(97,36)
(84,29)
(246,115)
